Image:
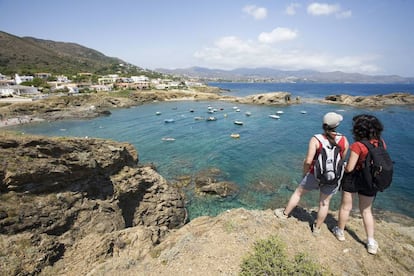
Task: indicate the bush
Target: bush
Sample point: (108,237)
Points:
(270,258)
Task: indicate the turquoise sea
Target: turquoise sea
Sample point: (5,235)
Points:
(266,161)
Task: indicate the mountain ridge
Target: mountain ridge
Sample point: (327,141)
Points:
(264,74)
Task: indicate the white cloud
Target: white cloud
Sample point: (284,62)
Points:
(323,9)
(277,35)
(232,52)
(257,12)
(318,9)
(291,9)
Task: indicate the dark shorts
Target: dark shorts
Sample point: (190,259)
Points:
(354,183)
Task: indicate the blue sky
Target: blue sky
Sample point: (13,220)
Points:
(364,36)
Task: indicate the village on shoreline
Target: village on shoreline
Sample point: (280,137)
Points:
(43,96)
(23,110)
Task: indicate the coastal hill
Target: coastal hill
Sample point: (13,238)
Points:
(28,55)
(86,206)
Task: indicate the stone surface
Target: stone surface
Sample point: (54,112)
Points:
(57,191)
(372,101)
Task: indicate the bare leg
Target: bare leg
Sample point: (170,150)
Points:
(365,207)
(345,209)
(294,199)
(323,209)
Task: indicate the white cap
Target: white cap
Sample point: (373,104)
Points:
(332,119)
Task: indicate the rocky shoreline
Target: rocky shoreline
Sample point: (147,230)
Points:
(82,206)
(85,206)
(100,104)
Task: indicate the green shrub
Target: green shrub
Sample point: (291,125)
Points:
(270,258)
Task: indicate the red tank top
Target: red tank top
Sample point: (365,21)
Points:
(362,151)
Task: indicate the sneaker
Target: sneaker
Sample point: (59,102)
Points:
(339,233)
(280,213)
(372,248)
(316,231)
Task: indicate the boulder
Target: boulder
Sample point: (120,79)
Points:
(55,192)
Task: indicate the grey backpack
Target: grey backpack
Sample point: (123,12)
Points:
(329,166)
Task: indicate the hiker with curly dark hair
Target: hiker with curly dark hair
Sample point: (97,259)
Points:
(365,127)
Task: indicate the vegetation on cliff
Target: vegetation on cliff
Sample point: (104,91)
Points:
(28,55)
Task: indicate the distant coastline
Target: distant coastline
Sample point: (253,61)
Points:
(14,111)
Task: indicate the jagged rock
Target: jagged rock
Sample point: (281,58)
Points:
(275,98)
(144,203)
(61,190)
(207,185)
(372,101)
(222,189)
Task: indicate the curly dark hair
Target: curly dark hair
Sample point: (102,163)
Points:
(366,127)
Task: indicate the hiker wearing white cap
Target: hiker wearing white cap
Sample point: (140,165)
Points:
(331,138)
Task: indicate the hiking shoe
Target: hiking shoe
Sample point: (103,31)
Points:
(372,248)
(316,231)
(339,233)
(280,213)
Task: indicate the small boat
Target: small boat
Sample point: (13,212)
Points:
(157,113)
(211,118)
(303,112)
(168,139)
(169,121)
(238,123)
(248,113)
(235,135)
(274,116)
(191,110)
(238,110)
(198,118)
(279,112)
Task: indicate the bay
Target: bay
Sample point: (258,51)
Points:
(266,161)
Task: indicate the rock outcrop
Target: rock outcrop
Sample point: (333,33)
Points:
(274,98)
(57,191)
(372,101)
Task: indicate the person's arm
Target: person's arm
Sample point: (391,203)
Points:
(346,148)
(352,161)
(312,148)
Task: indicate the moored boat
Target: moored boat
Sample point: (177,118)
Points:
(211,118)
(274,116)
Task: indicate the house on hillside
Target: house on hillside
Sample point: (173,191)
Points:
(101,87)
(18,90)
(43,76)
(109,79)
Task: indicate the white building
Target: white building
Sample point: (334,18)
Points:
(18,90)
(140,79)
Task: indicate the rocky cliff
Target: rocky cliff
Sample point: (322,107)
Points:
(58,192)
(77,206)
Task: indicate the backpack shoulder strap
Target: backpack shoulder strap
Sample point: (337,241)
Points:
(338,137)
(322,140)
(370,146)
